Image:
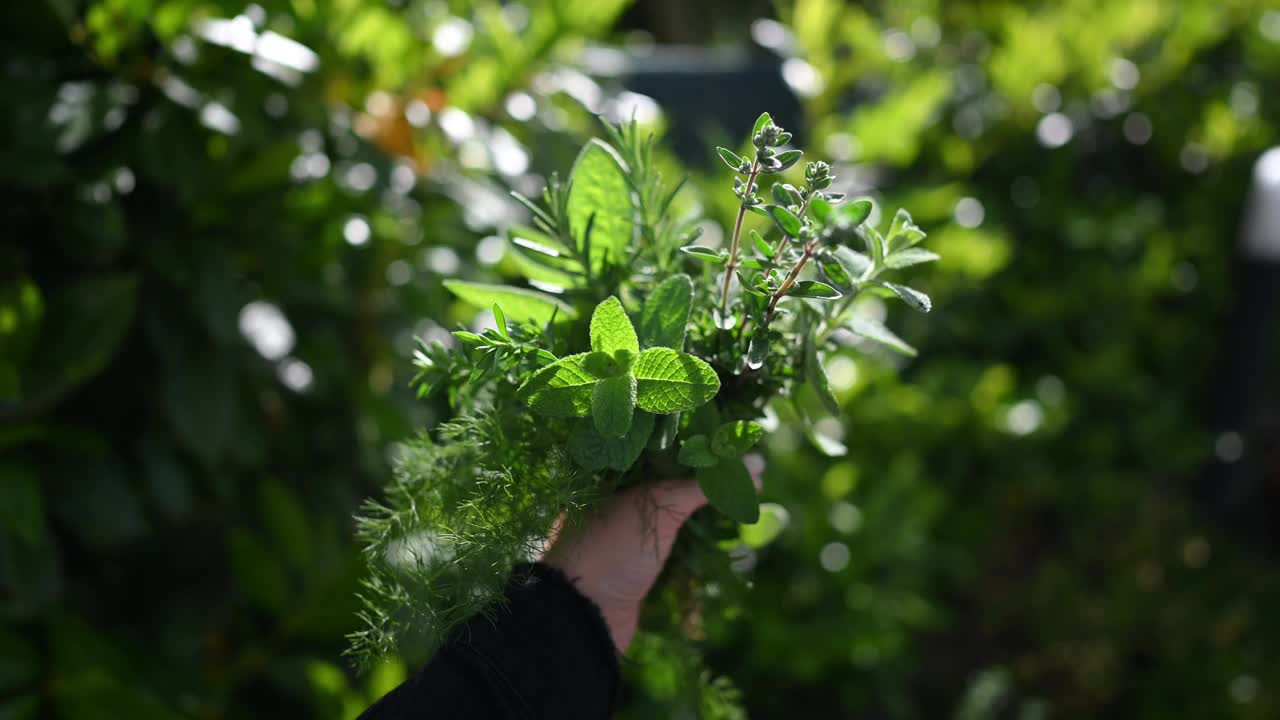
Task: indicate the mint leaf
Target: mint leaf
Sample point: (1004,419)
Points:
(561,389)
(666,313)
(873,330)
(602,365)
(728,487)
(667,381)
(773,520)
(613,400)
(599,187)
(520,305)
(696,453)
(732,439)
(611,329)
(593,451)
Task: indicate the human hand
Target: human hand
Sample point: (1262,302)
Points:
(616,556)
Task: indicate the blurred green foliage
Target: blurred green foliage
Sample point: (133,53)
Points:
(219,246)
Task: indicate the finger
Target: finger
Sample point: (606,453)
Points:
(755,466)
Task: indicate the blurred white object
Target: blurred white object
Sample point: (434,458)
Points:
(1261,237)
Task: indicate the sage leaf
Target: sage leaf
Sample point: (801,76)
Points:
(593,451)
(729,489)
(665,314)
(732,439)
(600,196)
(668,380)
(696,453)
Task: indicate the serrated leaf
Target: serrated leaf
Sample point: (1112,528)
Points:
(705,254)
(599,188)
(732,439)
(758,350)
(856,212)
(762,247)
(602,365)
(774,518)
(909,257)
(813,289)
(611,329)
(729,489)
(561,389)
(912,297)
(784,219)
(816,376)
(613,401)
(696,453)
(730,158)
(668,380)
(665,314)
(787,159)
(761,121)
(520,305)
(872,330)
(593,451)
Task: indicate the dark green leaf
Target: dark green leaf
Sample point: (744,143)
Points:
(593,451)
(21,503)
(787,159)
(834,272)
(785,219)
(696,453)
(732,439)
(729,489)
(813,289)
(761,121)
(730,158)
(820,208)
(762,247)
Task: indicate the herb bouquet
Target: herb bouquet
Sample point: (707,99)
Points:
(640,356)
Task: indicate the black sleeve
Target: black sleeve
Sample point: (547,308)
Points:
(545,654)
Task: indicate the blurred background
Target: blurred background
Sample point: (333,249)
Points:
(224,224)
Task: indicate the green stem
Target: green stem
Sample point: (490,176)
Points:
(737,234)
(782,290)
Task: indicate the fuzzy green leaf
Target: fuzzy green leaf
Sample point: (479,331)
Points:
(696,453)
(774,518)
(728,487)
(730,158)
(909,257)
(666,313)
(820,208)
(917,300)
(813,289)
(876,332)
(518,304)
(761,121)
(667,381)
(613,401)
(593,451)
(705,254)
(599,188)
(732,439)
(784,219)
(856,212)
(611,329)
(903,232)
(874,243)
(762,247)
(835,272)
(561,389)
(603,365)
(854,262)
